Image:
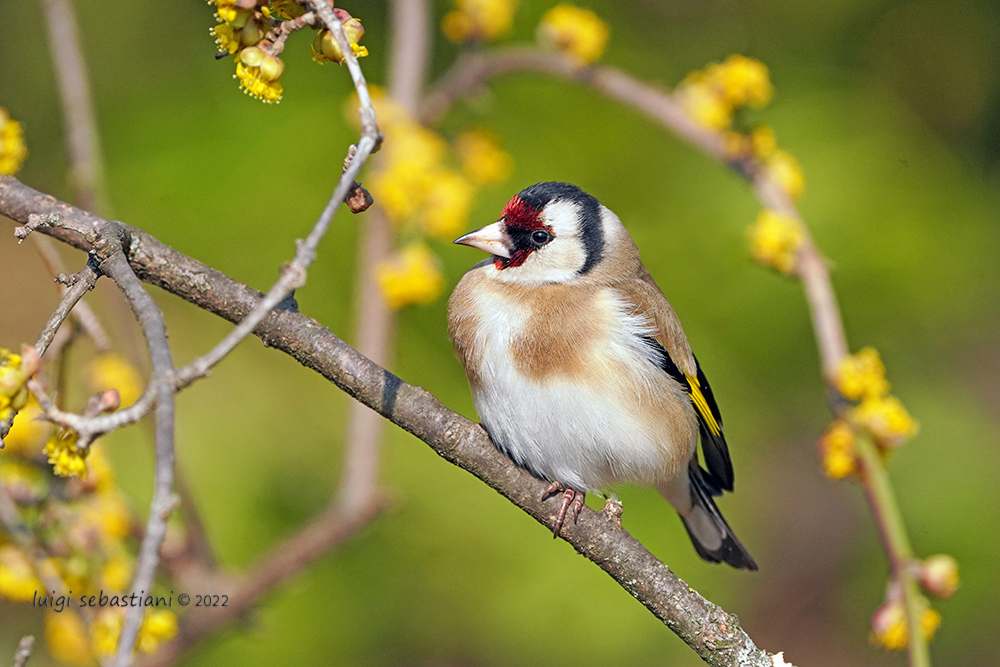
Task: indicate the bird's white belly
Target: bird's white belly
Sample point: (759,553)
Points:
(586,431)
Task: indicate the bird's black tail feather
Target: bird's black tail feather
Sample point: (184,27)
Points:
(712,537)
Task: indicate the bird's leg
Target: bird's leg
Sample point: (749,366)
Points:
(572,500)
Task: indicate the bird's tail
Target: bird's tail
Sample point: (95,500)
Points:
(712,537)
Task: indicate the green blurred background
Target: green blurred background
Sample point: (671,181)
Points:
(891,108)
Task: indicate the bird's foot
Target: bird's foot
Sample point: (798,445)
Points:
(572,500)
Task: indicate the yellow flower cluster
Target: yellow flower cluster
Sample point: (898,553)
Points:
(410,276)
(575,31)
(12,149)
(66,458)
(775,240)
(158,626)
(478,20)
(861,377)
(29,432)
(326,49)
(424,194)
(712,95)
(15,371)
(18,581)
(889,628)
(838,450)
(243,31)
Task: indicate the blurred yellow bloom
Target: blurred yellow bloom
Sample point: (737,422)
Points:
(391,114)
(105,630)
(66,459)
(113,371)
(478,19)
(862,375)
(575,31)
(889,628)
(703,103)
(763,141)
(15,371)
(67,638)
(775,240)
(28,432)
(837,447)
(258,73)
(939,575)
(109,514)
(447,206)
(18,581)
(483,160)
(411,164)
(287,9)
(742,81)
(886,419)
(12,149)
(116,573)
(411,276)
(784,170)
(159,626)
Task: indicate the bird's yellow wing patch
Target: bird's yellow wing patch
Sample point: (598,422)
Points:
(701,404)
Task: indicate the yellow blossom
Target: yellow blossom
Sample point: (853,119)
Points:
(258,73)
(886,419)
(703,103)
(109,514)
(326,49)
(113,371)
(483,160)
(775,240)
(67,638)
(287,9)
(12,149)
(28,432)
(67,460)
(890,629)
(159,626)
(862,375)
(15,371)
(576,31)
(116,573)
(939,575)
(105,630)
(784,170)
(446,208)
(229,38)
(742,81)
(837,447)
(18,581)
(478,19)
(763,141)
(411,162)
(411,276)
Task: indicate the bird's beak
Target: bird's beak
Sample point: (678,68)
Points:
(491,238)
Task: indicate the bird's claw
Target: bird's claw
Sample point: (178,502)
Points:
(571,500)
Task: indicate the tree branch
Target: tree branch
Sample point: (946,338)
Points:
(23,651)
(713,633)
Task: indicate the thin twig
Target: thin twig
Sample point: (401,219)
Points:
(86,165)
(23,651)
(713,633)
(82,282)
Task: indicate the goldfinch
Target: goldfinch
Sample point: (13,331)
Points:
(579,368)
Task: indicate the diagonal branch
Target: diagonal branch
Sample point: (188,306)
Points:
(712,632)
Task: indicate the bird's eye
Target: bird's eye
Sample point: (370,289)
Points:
(540,237)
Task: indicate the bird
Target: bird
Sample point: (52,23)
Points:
(579,369)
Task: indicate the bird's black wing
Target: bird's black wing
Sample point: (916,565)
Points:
(713,439)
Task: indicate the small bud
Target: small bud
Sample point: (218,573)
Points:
(109,401)
(271,68)
(939,575)
(30,361)
(252,56)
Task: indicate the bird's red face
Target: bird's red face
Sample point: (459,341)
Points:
(523,223)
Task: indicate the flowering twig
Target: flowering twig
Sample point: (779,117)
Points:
(473,69)
(713,633)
